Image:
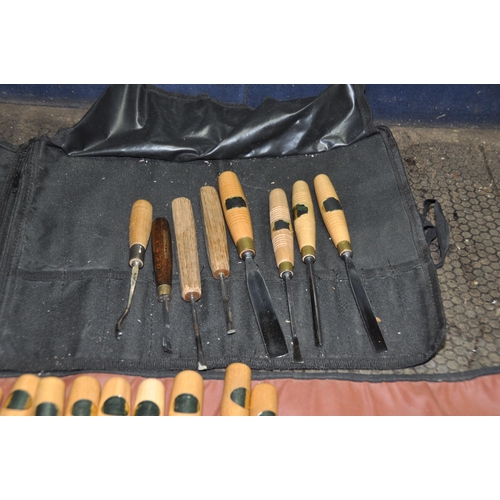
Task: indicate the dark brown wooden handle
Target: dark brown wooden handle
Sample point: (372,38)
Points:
(161,243)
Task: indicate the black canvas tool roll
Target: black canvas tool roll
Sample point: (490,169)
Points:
(65,209)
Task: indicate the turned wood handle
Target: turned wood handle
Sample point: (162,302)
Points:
(20,400)
(141,218)
(332,213)
(83,399)
(161,244)
(187,248)
(150,399)
(115,398)
(49,399)
(304,220)
(236,212)
(236,392)
(215,231)
(281,230)
(264,401)
(186,399)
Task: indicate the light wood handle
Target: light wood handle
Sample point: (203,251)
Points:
(264,401)
(187,248)
(49,399)
(281,230)
(215,231)
(236,392)
(236,212)
(186,399)
(161,244)
(83,398)
(304,220)
(141,219)
(115,398)
(150,399)
(20,400)
(332,213)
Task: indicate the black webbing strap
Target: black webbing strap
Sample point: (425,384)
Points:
(439,232)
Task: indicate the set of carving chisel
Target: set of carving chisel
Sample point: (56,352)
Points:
(229,207)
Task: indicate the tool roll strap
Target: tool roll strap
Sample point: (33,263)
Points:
(65,211)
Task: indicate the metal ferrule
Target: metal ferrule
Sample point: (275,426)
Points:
(245,245)
(137,253)
(308,251)
(285,267)
(164,292)
(344,246)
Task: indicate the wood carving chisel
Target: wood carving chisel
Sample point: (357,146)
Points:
(83,399)
(186,399)
(264,401)
(141,218)
(115,398)
(19,402)
(335,222)
(304,223)
(216,243)
(237,215)
(189,265)
(236,393)
(150,399)
(161,244)
(282,240)
(49,399)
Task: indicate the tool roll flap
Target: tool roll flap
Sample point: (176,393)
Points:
(65,237)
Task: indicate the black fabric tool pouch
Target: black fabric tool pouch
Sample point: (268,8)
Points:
(66,203)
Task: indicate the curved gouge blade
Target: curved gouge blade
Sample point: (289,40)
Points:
(269,326)
(364,306)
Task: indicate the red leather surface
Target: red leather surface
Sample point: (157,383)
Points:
(477,397)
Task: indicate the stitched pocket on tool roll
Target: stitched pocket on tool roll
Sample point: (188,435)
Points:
(68,276)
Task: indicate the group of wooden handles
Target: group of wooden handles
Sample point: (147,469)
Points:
(32,395)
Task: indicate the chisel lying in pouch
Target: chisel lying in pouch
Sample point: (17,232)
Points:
(335,222)
(237,215)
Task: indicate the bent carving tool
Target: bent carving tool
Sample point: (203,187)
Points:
(216,243)
(141,218)
(304,223)
(335,222)
(282,239)
(161,245)
(238,220)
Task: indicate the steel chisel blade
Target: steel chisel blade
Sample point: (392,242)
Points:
(269,326)
(364,307)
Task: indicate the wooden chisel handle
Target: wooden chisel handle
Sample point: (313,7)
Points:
(115,398)
(236,392)
(186,399)
(20,400)
(187,248)
(332,213)
(141,218)
(150,399)
(49,399)
(215,231)
(83,398)
(264,401)
(304,220)
(281,230)
(161,243)
(236,212)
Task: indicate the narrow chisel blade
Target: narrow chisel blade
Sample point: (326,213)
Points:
(269,326)
(364,306)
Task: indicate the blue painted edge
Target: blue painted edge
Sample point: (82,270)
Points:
(432,104)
